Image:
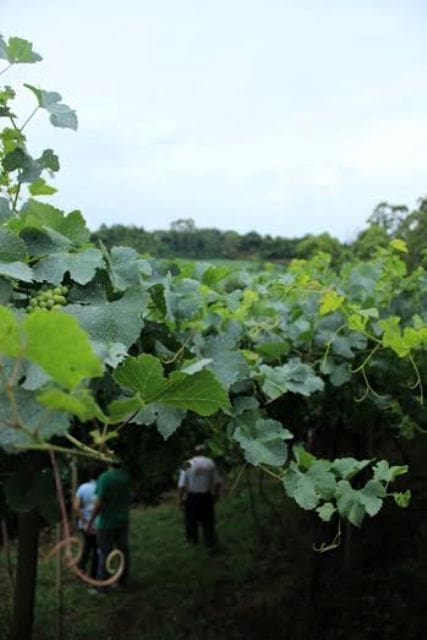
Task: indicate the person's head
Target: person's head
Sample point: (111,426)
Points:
(200,449)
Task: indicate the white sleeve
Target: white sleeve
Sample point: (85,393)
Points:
(182,479)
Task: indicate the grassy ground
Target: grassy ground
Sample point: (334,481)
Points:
(176,591)
(266,583)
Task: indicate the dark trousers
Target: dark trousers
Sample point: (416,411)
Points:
(199,508)
(90,551)
(108,539)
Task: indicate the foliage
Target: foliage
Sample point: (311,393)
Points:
(257,356)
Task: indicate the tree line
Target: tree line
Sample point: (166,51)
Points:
(184,240)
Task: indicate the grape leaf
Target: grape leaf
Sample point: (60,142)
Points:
(18,50)
(81,266)
(56,342)
(40,423)
(12,247)
(17,271)
(60,114)
(80,403)
(166,418)
(143,375)
(326,511)
(40,188)
(262,440)
(201,392)
(293,376)
(10,340)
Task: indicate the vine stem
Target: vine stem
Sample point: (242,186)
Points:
(32,114)
(418,380)
(58,449)
(329,343)
(6,68)
(324,547)
(84,448)
(237,480)
(15,199)
(366,360)
(271,473)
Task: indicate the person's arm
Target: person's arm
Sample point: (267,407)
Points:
(77,506)
(95,511)
(182,492)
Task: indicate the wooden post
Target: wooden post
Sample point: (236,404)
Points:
(26,575)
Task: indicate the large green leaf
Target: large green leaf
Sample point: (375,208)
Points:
(348,467)
(339,372)
(40,215)
(262,440)
(79,403)
(40,188)
(201,393)
(293,376)
(228,365)
(124,408)
(354,504)
(143,375)
(10,339)
(18,50)
(312,486)
(113,327)
(57,343)
(42,243)
(126,268)
(166,418)
(40,423)
(17,271)
(12,247)
(81,266)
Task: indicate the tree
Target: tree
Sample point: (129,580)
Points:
(388,217)
(183,225)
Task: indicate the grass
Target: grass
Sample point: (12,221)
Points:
(176,591)
(258,587)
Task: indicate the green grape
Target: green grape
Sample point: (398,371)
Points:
(29,309)
(59,299)
(64,290)
(41,309)
(42,304)
(56,307)
(57,291)
(33,302)
(50,303)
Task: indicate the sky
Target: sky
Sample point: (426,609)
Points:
(286,117)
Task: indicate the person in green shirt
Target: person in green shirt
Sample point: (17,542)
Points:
(110,516)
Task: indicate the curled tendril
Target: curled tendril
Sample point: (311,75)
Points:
(71,561)
(324,546)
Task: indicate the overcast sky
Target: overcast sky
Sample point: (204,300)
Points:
(283,116)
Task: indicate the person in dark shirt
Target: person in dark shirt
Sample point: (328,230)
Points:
(111,517)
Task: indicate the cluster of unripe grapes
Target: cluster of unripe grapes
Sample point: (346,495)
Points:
(48,299)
